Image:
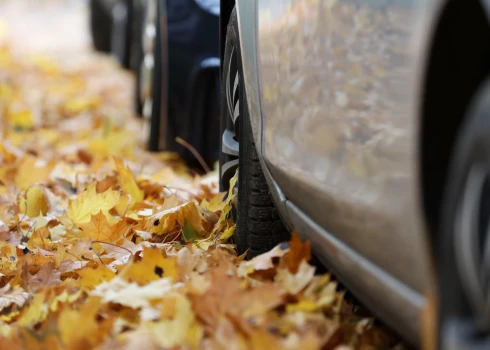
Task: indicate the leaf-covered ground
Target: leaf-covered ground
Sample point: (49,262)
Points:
(104,245)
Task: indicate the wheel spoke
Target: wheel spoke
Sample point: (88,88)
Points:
(229,144)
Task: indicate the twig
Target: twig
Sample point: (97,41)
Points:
(194,152)
(175,193)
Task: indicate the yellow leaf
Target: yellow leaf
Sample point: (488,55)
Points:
(217,203)
(32,170)
(6,93)
(303,305)
(64,297)
(152,267)
(80,329)
(36,312)
(181,329)
(165,221)
(127,182)
(90,278)
(80,104)
(89,202)
(22,119)
(114,143)
(228,233)
(33,203)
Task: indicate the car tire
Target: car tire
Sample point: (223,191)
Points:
(258,225)
(463,243)
(100,26)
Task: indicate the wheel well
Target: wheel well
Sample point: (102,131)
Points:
(459,62)
(226,7)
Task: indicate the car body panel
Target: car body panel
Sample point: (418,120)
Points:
(398,305)
(192,42)
(334,90)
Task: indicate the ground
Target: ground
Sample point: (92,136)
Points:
(104,245)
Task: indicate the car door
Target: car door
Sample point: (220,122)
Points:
(340,84)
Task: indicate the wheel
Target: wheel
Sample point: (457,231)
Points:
(463,244)
(258,226)
(101,25)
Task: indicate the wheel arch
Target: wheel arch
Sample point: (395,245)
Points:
(458,62)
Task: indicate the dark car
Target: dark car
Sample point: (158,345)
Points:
(173,48)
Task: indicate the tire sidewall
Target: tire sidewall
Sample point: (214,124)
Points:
(472,147)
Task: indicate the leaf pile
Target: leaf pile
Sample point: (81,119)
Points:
(103,245)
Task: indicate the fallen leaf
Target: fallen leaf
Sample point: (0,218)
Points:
(33,203)
(153,266)
(9,296)
(47,276)
(131,294)
(298,253)
(99,229)
(92,277)
(89,202)
(127,182)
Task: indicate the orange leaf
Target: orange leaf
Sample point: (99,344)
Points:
(99,229)
(298,252)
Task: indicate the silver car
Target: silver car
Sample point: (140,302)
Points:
(365,125)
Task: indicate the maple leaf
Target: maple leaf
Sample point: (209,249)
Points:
(153,266)
(86,334)
(90,277)
(89,202)
(298,252)
(99,229)
(127,182)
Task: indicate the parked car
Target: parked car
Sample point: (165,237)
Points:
(173,48)
(364,124)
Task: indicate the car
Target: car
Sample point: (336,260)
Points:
(172,47)
(364,125)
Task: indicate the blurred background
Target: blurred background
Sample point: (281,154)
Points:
(174,63)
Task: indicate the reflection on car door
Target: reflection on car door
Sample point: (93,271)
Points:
(339,88)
